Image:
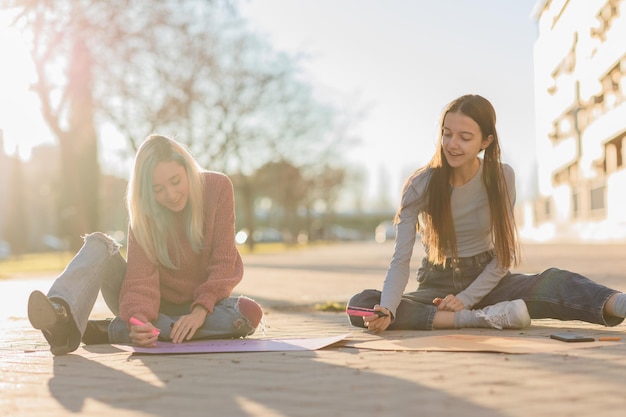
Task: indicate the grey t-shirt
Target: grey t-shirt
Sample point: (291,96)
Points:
(472,224)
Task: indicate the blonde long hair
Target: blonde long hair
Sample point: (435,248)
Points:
(151,223)
(439,235)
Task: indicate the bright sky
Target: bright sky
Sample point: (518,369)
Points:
(403,61)
(400,61)
(20,111)
(20,116)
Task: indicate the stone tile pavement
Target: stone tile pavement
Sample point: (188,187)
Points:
(335,381)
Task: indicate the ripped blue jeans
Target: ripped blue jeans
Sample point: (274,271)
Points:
(99,266)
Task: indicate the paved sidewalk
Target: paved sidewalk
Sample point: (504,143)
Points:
(335,381)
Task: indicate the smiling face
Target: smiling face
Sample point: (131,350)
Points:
(462,141)
(170,185)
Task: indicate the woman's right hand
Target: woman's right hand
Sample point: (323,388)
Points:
(448,303)
(143,335)
(378,324)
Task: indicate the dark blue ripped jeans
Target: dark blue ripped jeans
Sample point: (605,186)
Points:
(554,293)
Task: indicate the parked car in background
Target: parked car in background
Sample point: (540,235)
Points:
(5,250)
(337,232)
(261,235)
(385,231)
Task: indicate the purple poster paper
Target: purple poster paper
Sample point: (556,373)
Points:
(237,345)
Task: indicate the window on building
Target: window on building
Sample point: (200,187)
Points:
(567,175)
(612,96)
(621,79)
(614,153)
(561,177)
(605,18)
(597,198)
(565,67)
(564,126)
(573,172)
(583,117)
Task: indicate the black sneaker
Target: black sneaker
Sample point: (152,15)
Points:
(97,332)
(54,319)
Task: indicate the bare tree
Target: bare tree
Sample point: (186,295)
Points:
(78,48)
(67,106)
(185,68)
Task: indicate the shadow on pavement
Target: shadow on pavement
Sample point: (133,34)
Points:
(271,384)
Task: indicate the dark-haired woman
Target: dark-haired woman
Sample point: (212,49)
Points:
(462,207)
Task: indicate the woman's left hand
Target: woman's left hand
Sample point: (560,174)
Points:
(187,325)
(448,303)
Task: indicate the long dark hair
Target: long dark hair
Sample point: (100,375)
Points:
(437,230)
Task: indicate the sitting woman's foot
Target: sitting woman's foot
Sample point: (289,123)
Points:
(53,317)
(97,332)
(251,310)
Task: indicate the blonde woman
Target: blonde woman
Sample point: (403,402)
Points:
(462,206)
(182,264)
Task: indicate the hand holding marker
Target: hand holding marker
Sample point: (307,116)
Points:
(137,322)
(364,312)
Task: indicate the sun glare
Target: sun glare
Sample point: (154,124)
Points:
(20,120)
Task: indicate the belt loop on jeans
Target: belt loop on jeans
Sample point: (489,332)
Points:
(454,263)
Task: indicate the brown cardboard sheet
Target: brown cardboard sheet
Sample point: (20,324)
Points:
(471,343)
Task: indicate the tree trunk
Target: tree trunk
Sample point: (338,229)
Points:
(80,172)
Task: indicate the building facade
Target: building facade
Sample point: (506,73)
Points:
(580,104)
(4,186)
(39,191)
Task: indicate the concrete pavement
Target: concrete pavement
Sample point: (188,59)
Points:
(335,381)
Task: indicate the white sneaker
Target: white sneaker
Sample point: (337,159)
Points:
(506,315)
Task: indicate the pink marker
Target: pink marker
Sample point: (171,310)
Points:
(137,322)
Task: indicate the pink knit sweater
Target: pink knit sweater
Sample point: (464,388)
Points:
(203,278)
